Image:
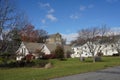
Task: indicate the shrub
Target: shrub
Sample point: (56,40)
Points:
(115,55)
(49,56)
(59,51)
(40,62)
(1,61)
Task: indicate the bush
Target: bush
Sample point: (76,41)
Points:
(59,51)
(1,62)
(49,56)
(115,55)
(40,62)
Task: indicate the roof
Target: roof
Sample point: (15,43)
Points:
(32,47)
(54,35)
(51,47)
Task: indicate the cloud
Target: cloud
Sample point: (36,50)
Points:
(111,1)
(82,8)
(51,17)
(70,37)
(51,10)
(75,16)
(44,5)
(47,7)
(115,30)
(43,21)
(49,13)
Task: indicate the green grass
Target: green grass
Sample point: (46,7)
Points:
(61,68)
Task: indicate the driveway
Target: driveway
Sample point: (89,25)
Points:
(106,74)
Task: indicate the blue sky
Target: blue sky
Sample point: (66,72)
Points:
(69,16)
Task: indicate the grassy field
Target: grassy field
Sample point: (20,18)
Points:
(61,68)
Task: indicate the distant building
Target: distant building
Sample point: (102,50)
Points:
(54,39)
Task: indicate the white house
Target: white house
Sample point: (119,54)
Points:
(28,48)
(83,50)
(31,48)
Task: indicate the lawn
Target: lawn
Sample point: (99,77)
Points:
(61,68)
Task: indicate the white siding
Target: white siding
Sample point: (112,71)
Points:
(46,50)
(107,50)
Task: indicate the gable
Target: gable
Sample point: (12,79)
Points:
(32,47)
(51,47)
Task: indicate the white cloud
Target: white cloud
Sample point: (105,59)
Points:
(47,7)
(74,16)
(44,5)
(49,13)
(115,30)
(51,10)
(51,17)
(43,21)
(82,8)
(70,37)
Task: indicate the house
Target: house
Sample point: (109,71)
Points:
(54,39)
(83,50)
(28,48)
(80,50)
(34,49)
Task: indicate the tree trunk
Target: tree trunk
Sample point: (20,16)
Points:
(93,59)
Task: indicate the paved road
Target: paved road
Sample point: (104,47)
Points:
(106,74)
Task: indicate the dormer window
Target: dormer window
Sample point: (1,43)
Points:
(111,45)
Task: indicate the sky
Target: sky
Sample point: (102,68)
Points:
(69,16)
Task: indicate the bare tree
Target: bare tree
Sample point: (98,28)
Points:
(9,20)
(115,40)
(92,37)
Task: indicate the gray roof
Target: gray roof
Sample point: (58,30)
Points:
(51,47)
(32,47)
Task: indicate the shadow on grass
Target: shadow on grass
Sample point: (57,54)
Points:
(90,60)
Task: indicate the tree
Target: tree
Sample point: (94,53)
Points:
(30,34)
(42,36)
(59,51)
(92,37)
(10,24)
(115,40)
(7,22)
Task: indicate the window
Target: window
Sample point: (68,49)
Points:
(105,45)
(112,46)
